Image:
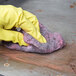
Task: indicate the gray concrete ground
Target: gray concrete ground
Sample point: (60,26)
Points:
(16,68)
(57,16)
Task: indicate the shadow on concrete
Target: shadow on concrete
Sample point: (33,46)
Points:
(16,3)
(1,75)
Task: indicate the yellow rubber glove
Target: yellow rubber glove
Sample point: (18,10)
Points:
(10,17)
(30,24)
(15,37)
(32,18)
(28,27)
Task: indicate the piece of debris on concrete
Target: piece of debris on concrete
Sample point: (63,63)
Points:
(74,3)
(39,10)
(6,65)
(72,6)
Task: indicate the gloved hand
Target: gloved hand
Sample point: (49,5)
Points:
(29,23)
(14,36)
(54,42)
(10,17)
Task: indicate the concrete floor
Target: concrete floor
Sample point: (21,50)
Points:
(57,16)
(20,69)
